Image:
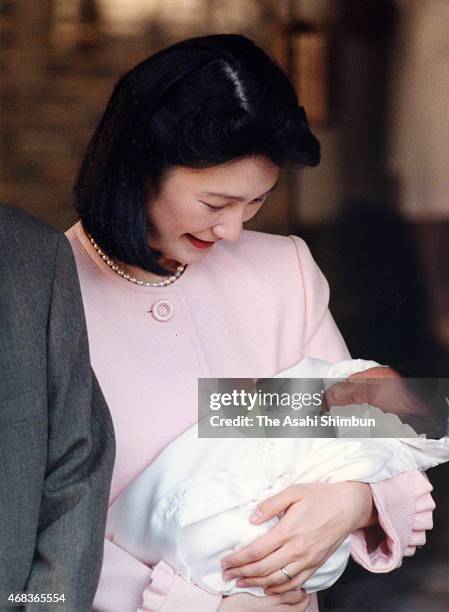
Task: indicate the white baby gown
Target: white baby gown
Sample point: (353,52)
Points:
(191,506)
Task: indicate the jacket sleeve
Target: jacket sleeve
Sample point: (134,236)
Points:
(404,509)
(127,585)
(80,453)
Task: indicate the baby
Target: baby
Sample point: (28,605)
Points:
(191,506)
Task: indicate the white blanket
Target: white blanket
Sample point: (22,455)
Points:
(191,506)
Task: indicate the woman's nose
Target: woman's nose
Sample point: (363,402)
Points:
(229,228)
(228,231)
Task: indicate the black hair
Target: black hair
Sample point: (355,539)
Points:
(198,103)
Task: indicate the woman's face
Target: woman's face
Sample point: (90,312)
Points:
(197,207)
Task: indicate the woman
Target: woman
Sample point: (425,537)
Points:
(188,149)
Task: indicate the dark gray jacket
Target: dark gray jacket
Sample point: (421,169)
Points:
(56,436)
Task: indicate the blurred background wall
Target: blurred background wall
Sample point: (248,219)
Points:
(374,78)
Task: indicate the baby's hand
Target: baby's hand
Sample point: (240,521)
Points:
(296,600)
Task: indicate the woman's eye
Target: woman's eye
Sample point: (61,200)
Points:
(210,206)
(217,208)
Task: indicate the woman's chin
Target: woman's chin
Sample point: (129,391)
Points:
(187,255)
(182,257)
(192,258)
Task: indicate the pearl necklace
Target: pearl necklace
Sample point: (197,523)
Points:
(163,283)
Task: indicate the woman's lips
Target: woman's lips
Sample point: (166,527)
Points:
(199,244)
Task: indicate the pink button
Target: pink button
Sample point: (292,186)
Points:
(162,310)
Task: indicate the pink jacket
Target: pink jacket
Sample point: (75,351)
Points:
(249,309)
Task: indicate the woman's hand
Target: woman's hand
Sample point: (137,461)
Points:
(293,601)
(318,517)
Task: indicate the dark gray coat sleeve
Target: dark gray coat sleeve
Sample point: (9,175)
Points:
(81,450)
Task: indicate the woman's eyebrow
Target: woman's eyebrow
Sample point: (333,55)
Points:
(233,197)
